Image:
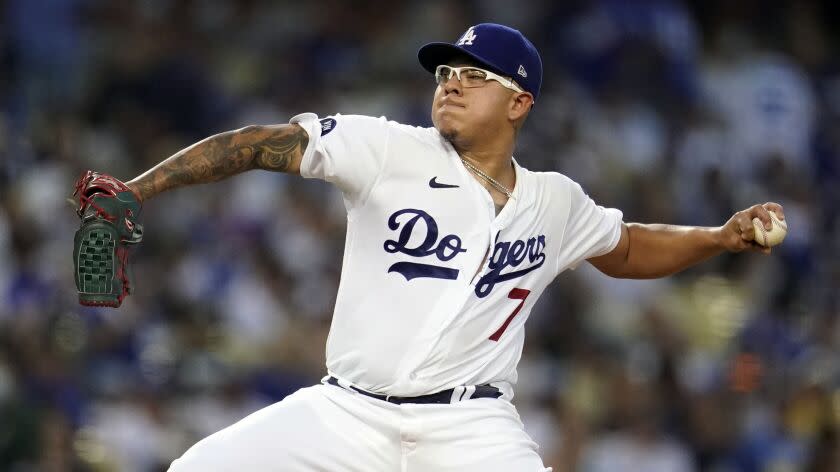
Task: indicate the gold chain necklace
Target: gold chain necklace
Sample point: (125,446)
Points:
(469,165)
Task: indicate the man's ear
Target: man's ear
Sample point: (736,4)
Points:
(520,105)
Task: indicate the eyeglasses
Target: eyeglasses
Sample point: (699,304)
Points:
(471,77)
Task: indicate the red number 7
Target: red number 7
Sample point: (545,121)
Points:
(515,294)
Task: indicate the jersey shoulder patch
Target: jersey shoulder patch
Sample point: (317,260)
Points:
(327,125)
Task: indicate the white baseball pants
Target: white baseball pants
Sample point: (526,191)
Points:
(330,429)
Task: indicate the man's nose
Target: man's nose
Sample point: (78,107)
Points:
(453,85)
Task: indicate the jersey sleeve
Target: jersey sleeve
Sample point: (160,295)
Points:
(345,150)
(591,230)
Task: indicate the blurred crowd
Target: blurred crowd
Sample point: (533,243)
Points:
(673,111)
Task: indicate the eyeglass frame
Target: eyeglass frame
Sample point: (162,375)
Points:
(504,81)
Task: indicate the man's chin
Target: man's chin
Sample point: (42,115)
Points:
(450,135)
(448,131)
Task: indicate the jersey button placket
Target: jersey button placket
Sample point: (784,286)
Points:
(485,263)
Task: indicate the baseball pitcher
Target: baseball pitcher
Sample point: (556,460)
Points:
(449,244)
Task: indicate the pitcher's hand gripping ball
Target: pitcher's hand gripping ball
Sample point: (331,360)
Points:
(108,210)
(772,237)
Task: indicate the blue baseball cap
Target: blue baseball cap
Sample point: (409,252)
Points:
(499,48)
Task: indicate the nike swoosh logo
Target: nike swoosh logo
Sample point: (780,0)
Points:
(435,184)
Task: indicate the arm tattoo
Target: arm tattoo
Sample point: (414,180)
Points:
(274,148)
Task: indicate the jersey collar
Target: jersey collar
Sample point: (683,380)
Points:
(515,202)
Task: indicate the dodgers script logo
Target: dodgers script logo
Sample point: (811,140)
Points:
(505,254)
(445,249)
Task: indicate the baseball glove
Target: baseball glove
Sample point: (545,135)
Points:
(108,210)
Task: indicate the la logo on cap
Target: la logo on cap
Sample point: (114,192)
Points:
(468,37)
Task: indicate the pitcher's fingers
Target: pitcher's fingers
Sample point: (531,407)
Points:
(745,227)
(775,208)
(758,211)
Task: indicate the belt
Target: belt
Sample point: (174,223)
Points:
(453,395)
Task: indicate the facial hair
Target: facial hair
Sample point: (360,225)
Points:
(450,136)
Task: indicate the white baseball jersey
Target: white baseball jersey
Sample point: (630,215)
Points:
(435,287)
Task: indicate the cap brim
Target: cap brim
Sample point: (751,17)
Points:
(435,54)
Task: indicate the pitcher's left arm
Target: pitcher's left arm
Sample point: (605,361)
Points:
(648,251)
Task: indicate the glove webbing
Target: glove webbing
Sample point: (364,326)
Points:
(96,260)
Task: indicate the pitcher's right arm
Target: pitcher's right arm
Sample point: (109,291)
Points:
(276,148)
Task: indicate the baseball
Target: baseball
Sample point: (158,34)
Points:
(774,236)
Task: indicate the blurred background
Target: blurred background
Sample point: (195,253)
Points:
(673,111)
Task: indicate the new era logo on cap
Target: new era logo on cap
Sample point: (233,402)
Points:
(498,48)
